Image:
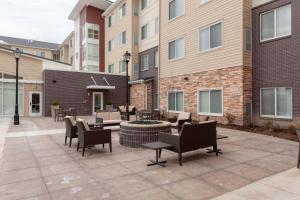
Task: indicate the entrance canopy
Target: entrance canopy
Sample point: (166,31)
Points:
(100,87)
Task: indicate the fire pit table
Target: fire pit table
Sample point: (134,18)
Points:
(135,133)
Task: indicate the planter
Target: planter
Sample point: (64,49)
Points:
(53,110)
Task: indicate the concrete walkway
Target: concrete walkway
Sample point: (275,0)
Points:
(285,185)
(4,125)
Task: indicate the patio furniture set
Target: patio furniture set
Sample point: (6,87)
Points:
(60,113)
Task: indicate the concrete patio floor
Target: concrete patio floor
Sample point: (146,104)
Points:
(36,165)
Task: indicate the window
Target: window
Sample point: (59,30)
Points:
(248,40)
(122,38)
(122,66)
(210,102)
(93,52)
(176,49)
(144,4)
(144,32)
(156,58)
(111,68)
(203,1)
(71,43)
(276,23)
(92,31)
(175,101)
(110,45)
(156,25)
(276,102)
(123,10)
(41,54)
(176,8)
(211,37)
(111,20)
(71,60)
(144,62)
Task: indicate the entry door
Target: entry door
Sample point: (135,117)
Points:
(35,104)
(97,101)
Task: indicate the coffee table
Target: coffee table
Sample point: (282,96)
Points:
(157,146)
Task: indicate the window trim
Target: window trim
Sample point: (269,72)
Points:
(176,91)
(275,116)
(147,5)
(198,105)
(170,20)
(174,40)
(108,67)
(147,32)
(142,64)
(275,24)
(209,26)
(121,44)
(120,10)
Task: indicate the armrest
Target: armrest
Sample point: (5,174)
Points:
(169,139)
(182,121)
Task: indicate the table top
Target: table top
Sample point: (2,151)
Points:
(156,145)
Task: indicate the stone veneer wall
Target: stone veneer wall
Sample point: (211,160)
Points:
(137,95)
(235,81)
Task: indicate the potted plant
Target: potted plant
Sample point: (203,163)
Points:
(55,105)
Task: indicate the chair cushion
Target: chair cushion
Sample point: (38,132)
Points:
(130,108)
(85,124)
(184,115)
(122,108)
(174,124)
(114,116)
(203,118)
(112,121)
(73,122)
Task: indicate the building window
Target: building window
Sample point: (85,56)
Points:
(276,23)
(203,1)
(123,10)
(144,4)
(93,52)
(122,66)
(144,32)
(122,38)
(248,40)
(176,8)
(110,45)
(110,20)
(156,58)
(71,60)
(92,31)
(176,49)
(156,25)
(111,68)
(175,101)
(41,54)
(276,102)
(210,102)
(211,37)
(144,62)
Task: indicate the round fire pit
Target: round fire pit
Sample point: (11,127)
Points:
(134,134)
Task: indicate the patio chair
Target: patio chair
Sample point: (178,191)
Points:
(181,119)
(72,112)
(192,137)
(298,134)
(58,114)
(71,129)
(88,137)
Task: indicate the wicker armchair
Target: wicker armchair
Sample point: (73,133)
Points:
(71,129)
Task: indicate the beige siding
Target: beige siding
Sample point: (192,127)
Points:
(35,51)
(197,16)
(247,25)
(29,68)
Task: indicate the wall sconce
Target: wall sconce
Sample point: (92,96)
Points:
(186,78)
(53,81)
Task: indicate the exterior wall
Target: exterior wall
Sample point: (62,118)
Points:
(69,88)
(71,58)
(197,16)
(35,51)
(236,94)
(141,95)
(276,63)
(64,54)
(77,45)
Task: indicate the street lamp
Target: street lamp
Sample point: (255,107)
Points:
(126,58)
(16,116)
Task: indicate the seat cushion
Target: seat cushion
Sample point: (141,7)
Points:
(114,116)
(112,121)
(103,115)
(184,115)
(85,124)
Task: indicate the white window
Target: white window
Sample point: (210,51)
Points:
(144,4)
(156,58)
(144,62)
(111,68)
(123,10)
(211,37)
(175,101)
(122,38)
(276,23)
(276,102)
(110,20)
(92,31)
(156,25)
(110,45)
(144,32)
(122,66)
(93,52)
(203,1)
(210,102)
(176,8)
(41,54)
(176,49)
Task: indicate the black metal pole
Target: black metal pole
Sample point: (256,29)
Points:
(127,92)
(16,116)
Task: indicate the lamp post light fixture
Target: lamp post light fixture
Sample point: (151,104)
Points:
(17,53)
(126,58)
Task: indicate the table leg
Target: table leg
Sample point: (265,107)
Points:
(157,162)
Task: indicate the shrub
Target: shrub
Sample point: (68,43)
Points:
(297,125)
(55,103)
(291,129)
(229,117)
(268,125)
(276,127)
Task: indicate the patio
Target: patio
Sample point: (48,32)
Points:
(37,165)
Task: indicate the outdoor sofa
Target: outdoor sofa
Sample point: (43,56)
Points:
(108,118)
(192,137)
(131,110)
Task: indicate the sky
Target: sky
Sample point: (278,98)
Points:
(45,20)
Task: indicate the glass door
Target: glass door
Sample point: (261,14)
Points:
(35,104)
(97,101)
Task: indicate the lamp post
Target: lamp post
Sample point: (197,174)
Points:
(16,116)
(126,58)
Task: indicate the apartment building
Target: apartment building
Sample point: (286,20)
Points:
(133,25)
(39,48)
(205,58)
(66,49)
(276,61)
(89,43)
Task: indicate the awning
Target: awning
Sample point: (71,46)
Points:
(100,87)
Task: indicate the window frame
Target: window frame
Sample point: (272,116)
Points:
(109,67)
(275,24)
(146,5)
(121,13)
(275,111)
(110,45)
(142,63)
(156,59)
(147,30)
(122,61)
(176,91)
(176,16)
(121,39)
(209,90)
(174,40)
(209,30)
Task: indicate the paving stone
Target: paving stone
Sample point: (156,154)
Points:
(7,177)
